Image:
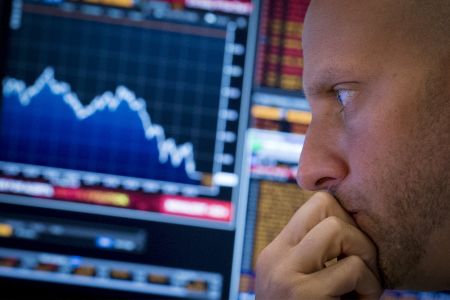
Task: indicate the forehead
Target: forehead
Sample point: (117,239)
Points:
(346,36)
(350,18)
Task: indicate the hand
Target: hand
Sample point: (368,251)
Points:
(320,254)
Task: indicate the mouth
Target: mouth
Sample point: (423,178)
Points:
(349,206)
(361,219)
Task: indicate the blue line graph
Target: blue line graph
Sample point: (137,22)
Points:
(46,124)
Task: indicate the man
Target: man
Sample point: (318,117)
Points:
(377,77)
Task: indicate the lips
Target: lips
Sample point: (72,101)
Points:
(356,216)
(362,221)
(353,214)
(352,211)
(350,206)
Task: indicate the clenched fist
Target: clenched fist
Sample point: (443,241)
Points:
(320,254)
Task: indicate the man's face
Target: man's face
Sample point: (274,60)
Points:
(379,135)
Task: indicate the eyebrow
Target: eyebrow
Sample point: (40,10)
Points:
(323,79)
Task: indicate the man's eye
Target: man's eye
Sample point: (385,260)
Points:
(344,96)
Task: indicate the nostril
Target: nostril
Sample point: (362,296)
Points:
(323,181)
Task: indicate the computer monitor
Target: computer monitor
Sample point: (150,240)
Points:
(122,126)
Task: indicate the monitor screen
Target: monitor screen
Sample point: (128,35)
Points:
(148,148)
(122,126)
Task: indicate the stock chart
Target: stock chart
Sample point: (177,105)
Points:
(118,95)
(101,137)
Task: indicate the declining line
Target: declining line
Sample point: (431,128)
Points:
(167,147)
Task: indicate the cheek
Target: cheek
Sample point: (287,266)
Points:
(369,143)
(372,148)
(378,131)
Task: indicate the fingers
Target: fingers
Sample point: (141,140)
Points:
(331,238)
(293,265)
(320,206)
(347,275)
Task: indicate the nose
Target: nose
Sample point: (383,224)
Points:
(322,163)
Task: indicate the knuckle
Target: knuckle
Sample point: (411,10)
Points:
(262,260)
(288,290)
(324,199)
(356,262)
(275,282)
(265,258)
(306,289)
(334,224)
